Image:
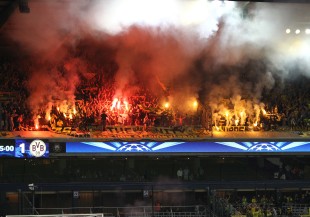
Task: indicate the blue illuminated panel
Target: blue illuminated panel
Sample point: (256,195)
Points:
(31,148)
(23,148)
(187,147)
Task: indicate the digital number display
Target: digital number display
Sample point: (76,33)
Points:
(7,148)
(24,148)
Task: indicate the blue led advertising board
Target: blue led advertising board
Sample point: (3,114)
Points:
(27,148)
(188,147)
(24,148)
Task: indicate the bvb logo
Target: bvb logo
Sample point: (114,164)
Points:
(37,148)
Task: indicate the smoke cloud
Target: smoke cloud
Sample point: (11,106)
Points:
(223,53)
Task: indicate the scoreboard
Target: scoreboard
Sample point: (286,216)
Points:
(24,148)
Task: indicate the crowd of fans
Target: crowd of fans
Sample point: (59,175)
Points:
(14,113)
(94,104)
(270,203)
(288,106)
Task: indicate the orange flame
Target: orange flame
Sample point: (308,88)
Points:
(126,105)
(236,122)
(115,100)
(166,105)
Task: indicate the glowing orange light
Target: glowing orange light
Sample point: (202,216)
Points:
(166,105)
(255,124)
(126,105)
(264,111)
(114,102)
(236,122)
(37,126)
(74,111)
(70,115)
(65,115)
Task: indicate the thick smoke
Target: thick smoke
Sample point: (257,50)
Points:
(223,53)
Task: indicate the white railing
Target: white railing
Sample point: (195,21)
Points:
(134,211)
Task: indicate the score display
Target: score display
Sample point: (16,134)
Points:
(24,148)
(7,148)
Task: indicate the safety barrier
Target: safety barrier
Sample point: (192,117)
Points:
(132,211)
